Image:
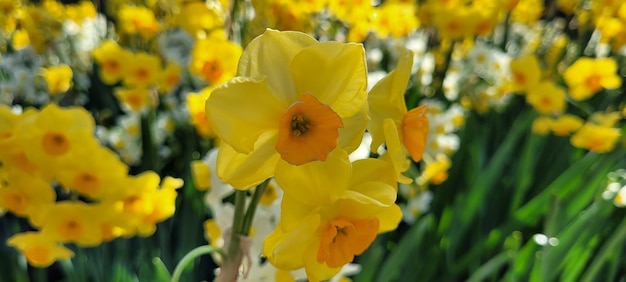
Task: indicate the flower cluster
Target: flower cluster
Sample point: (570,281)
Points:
(307,109)
(69,187)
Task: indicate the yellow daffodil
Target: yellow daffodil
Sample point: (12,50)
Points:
(566,124)
(214,60)
(93,170)
(169,78)
(52,135)
(303,99)
(331,211)
(58,79)
(39,250)
(134,99)
(142,69)
(138,20)
(201,174)
(112,59)
(587,76)
(199,19)
(546,97)
(70,221)
(596,138)
(197,115)
(392,123)
(525,72)
(541,125)
(25,195)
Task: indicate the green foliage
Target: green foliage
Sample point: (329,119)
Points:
(506,186)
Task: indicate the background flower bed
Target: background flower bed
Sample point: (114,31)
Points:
(516,203)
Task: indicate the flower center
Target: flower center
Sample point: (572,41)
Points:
(593,83)
(342,239)
(414,131)
(308,131)
(212,70)
(55,143)
(86,183)
(71,230)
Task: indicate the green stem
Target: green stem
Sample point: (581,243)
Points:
(258,193)
(606,252)
(199,251)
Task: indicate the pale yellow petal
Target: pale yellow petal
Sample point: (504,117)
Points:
(351,135)
(270,56)
(317,182)
(244,171)
(333,72)
(243,109)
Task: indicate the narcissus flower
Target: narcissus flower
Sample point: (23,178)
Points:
(112,59)
(566,124)
(331,211)
(596,138)
(525,72)
(214,60)
(303,99)
(546,97)
(58,79)
(587,76)
(392,123)
(39,250)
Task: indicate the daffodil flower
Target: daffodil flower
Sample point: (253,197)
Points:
(331,211)
(294,99)
(391,123)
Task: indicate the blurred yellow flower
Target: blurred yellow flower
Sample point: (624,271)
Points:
(20,39)
(542,125)
(138,20)
(199,19)
(566,124)
(596,138)
(303,98)
(58,79)
(24,195)
(197,115)
(112,59)
(525,72)
(134,99)
(39,250)
(142,70)
(587,76)
(169,78)
(436,171)
(70,221)
(201,175)
(52,135)
(92,170)
(546,97)
(214,60)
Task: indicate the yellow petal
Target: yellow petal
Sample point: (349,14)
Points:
(315,183)
(243,171)
(366,170)
(386,98)
(241,110)
(351,135)
(395,151)
(611,82)
(270,55)
(286,250)
(333,72)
